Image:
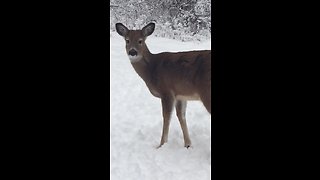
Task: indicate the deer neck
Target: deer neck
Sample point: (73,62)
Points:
(142,67)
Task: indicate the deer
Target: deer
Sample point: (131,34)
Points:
(174,77)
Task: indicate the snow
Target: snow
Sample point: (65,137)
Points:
(136,123)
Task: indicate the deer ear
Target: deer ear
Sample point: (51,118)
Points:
(148,29)
(121,29)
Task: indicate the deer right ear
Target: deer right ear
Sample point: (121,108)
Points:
(121,29)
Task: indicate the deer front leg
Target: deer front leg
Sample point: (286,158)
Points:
(167,106)
(181,114)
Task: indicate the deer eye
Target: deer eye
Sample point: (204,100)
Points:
(127,41)
(140,41)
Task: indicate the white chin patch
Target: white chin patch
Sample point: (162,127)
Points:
(134,58)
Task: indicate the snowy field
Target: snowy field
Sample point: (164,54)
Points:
(136,124)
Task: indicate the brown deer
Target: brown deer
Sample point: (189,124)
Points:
(172,77)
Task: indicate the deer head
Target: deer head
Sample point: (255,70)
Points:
(135,40)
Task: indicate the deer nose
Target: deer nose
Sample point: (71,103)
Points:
(133,52)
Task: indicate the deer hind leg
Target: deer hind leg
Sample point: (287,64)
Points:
(167,106)
(181,107)
(205,97)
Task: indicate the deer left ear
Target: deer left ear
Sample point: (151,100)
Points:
(148,29)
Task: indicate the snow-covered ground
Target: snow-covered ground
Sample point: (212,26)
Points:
(136,124)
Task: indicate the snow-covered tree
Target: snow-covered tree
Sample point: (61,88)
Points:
(177,19)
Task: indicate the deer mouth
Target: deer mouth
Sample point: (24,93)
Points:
(134,58)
